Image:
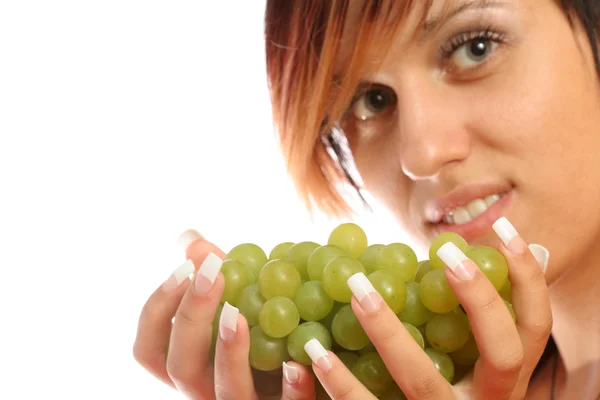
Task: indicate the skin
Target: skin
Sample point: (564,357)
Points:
(528,117)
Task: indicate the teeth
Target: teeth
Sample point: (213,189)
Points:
(492,199)
(461,216)
(475,208)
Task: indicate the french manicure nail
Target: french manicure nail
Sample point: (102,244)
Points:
(207,273)
(541,254)
(462,267)
(180,274)
(188,237)
(290,373)
(228,322)
(318,354)
(509,236)
(365,293)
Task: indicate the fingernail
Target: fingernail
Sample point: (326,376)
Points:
(318,354)
(462,267)
(290,373)
(188,237)
(365,293)
(180,274)
(509,236)
(228,322)
(541,254)
(207,273)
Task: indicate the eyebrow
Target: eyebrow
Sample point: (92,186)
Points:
(437,21)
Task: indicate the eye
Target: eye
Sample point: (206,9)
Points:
(373,101)
(472,48)
(473,52)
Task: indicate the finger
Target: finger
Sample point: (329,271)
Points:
(500,348)
(530,297)
(197,247)
(155,322)
(298,382)
(233,376)
(189,353)
(418,378)
(336,379)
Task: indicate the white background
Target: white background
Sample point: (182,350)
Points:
(123,123)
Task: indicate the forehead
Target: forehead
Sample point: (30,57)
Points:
(397,22)
(380,22)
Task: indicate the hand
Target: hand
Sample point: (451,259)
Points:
(509,352)
(179,353)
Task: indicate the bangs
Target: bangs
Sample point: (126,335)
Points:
(317,54)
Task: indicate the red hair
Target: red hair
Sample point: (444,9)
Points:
(313,79)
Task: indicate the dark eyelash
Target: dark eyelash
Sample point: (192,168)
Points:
(456,41)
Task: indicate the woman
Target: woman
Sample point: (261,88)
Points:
(455,115)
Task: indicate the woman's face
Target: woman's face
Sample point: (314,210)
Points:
(496,100)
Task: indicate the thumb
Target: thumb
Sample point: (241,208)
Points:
(298,382)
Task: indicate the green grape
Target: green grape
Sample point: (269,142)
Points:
(439,241)
(336,275)
(249,254)
(349,358)
(266,353)
(414,312)
(369,257)
(492,263)
(349,237)
(278,278)
(312,301)
(301,335)
(280,251)
(511,310)
(447,332)
(278,317)
(416,334)
(468,354)
(250,302)
(421,329)
(367,349)
(215,332)
(506,291)
(347,330)
(391,289)
(298,255)
(461,313)
(371,371)
(320,258)
(400,258)
(326,322)
(237,277)
(393,393)
(435,292)
(267,383)
(423,268)
(442,362)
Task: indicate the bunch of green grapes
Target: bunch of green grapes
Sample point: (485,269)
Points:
(299,292)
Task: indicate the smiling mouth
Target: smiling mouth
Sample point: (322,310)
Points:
(472,210)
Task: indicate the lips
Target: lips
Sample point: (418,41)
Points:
(456,201)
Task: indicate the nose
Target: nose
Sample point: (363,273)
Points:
(433,134)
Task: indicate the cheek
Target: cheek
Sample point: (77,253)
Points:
(547,138)
(380,169)
(376,166)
